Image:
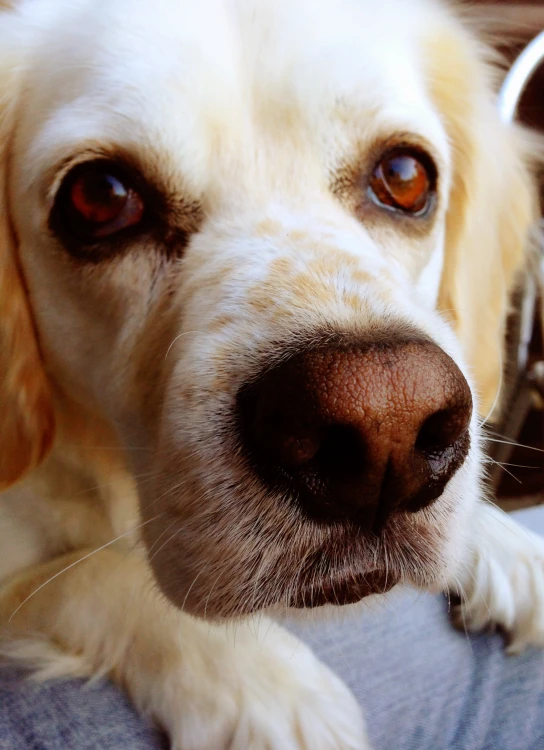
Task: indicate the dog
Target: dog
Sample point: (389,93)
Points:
(255,264)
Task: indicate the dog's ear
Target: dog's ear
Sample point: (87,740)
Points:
(492,207)
(26,409)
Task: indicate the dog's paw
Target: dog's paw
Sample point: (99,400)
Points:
(504,582)
(243,686)
(254,687)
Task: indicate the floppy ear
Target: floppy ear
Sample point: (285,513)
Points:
(26,409)
(491,212)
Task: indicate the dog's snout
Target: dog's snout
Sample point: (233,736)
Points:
(359,432)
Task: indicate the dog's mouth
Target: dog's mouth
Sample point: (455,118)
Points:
(302,568)
(231,560)
(344,590)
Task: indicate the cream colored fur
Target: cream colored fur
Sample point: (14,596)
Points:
(143,521)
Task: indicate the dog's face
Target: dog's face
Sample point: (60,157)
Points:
(240,229)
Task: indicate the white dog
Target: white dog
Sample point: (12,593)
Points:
(255,258)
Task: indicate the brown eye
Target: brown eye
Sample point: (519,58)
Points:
(404,181)
(97,201)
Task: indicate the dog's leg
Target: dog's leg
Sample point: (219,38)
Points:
(501,579)
(210,686)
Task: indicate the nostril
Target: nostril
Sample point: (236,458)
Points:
(440,431)
(331,450)
(298,449)
(341,451)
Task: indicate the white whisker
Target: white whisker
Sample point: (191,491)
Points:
(186,333)
(513,444)
(82,559)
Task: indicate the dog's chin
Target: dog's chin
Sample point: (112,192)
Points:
(336,593)
(368,567)
(344,590)
(336,589)
(224,575)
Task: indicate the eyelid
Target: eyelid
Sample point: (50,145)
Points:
(56,175)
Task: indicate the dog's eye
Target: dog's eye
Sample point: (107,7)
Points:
(403,180)
(95,201)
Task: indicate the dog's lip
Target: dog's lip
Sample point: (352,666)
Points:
(346,590)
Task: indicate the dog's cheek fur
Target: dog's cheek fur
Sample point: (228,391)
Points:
(27,425)
(492,204)
(27,421)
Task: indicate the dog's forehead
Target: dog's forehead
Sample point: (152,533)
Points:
(211,81)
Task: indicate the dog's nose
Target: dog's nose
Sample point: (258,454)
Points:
(359,432)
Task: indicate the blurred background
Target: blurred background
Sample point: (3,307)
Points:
(519,480)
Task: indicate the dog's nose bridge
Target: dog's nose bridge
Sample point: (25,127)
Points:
(322,260)
(289,270)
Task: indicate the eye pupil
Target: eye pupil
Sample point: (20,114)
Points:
(98,197)
(403,182)
(97,200)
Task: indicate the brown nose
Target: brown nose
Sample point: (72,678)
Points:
(358,432)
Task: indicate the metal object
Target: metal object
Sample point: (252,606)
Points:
(519,76)
(525,384)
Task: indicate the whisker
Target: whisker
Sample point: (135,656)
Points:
(498,392)
(82,559)
(163,545)
(515,445)
(186,333)
(147,476)
(502,519)
(202,569)
(503,466)
(122,449)
(157,540)
(504,463)
(210,593)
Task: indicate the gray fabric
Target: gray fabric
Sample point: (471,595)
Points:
(532,518)
(69,716)
(423,687)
